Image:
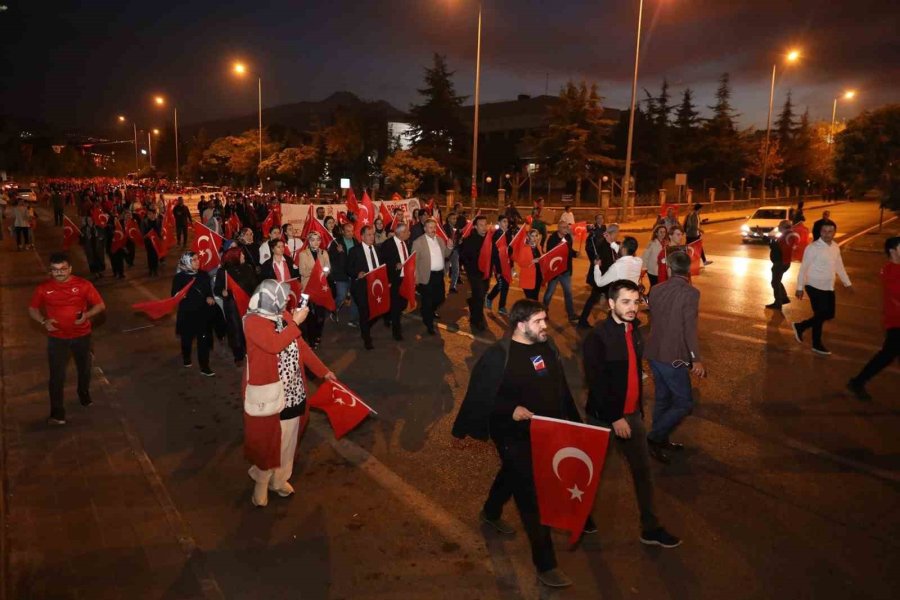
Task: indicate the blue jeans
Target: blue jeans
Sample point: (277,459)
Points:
(341,289)
(454,268)
(673,399)
(566,280)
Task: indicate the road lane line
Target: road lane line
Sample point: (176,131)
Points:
(843,243)
(138,328)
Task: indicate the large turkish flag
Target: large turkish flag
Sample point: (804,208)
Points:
(695,251)
(71,233)
(345,409)
(377,292)
(408,281)
(133,231)
(556,262)
(567,459)
(240,297)
(318,289)
(206,244)
(157,309)
(118,239)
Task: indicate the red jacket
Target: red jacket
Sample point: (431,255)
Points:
(527,269)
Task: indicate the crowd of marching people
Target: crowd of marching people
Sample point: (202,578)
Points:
(269,289)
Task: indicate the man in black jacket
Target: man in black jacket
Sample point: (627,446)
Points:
(361,259)
(612,364)
(338,251)
(469,251)
(602,250)
(562,236)
(394,252)
(516,378)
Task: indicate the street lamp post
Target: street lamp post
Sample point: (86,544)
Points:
(792,56)
(475,120)
(160,101)
(134,126)
(637,56)
(848,95)
(241,70)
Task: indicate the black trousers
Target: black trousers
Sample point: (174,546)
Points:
(654,279)
(58,353)
(515,480)
(152,258)
(501,288)
(129,253)
(432,295)
(778,271)
(58,216)
(822,302)
(394,318)
(889,352)
(117,260)
(476,300)
(234,327)
(314,324)
(204,344)
(181,234)
(360,296)
(596,294)
(533,294)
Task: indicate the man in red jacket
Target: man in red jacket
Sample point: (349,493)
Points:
(890,279)
(64,306)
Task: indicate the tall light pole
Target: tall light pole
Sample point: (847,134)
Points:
(134,126)
(791,57)
(626,182)
(848,95)
(160,101)
(475,120)
(240,69)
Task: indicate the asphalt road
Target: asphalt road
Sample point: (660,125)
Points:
(788,488)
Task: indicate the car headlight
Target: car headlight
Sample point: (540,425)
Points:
(745,228)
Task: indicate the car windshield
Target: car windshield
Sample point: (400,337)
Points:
(770,213)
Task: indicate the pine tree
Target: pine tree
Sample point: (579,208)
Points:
(724,150)
(785,125)
(684,134)
(798,155)
(437,130)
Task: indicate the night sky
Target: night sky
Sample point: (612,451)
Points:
(80,63)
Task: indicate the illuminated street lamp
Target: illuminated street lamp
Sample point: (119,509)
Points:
(161,101)
(240,69)
(848,95)
(791,57)
(122,119)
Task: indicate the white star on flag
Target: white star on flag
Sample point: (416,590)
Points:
(576,493)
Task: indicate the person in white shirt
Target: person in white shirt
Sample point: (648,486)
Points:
(658,241)
(431,254)
(628,266)
(292,244)
(821,261)
(567,216)
(264,252)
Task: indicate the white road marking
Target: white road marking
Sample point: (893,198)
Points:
(138,328)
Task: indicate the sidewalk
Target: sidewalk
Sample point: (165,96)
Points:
(643,225)
(84,514)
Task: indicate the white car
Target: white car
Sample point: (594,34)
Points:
(762,225)
(26,194)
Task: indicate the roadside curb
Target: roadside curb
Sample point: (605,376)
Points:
(859,234)
(627,229)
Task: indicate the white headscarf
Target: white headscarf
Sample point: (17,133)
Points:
(269,299)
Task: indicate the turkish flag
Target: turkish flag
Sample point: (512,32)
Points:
(567,460)
(158,245)
(169,219)
(803,241)
(307,224)
(277,210)
(240,297)
(326,236)
(695,251)
(133,232)
(556,262)
(439,231)
(156,309)
(206,244)
(268,224)
(352,204)
(118,239)
(468,228)
(579,231)
(503,251)
(342,217)
(386,217)
(365,215)
(345,409)
(367,203)
(293,294)
(484,256)
(518,240)
(429,206)
(71,233)
(377,292)
(100,218)
(408,281)
(318,289)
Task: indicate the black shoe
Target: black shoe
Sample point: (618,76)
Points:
(554,578)
(499,524)
(208,372)
(673,446)
(369,345)
(431,331)
(821,350)
(774,306)
(798,333)
(660,537)
(55,421)
(583,325)
(858,390)
(589,526)
(86,401)
(657,452)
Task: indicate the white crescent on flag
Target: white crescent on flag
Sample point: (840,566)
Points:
(578,454)
(378,295)
(553,262)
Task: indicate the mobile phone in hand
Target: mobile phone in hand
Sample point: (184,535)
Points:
(304,301)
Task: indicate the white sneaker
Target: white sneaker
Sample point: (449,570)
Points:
(285,490)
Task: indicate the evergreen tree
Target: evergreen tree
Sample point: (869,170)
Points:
(798,153)
(660,161)
(684,134)
(785,125)
(437,131)
(724,150)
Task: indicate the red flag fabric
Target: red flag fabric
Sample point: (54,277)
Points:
(133,231)
(439,231)
(396,197)
(100,218)
(206,244)
(365,215)
(342,217)
(377,292)
(277,210)
(555,263)
(385,215)
(118,239)
(345,409)
(240,297)
(158,244)
(318,289)
(408,282)
(71,233)
(503,251)
(367,203)
(294,294)
(484,256)
(803,241)
(307,224)
(156,309)
(579,231)
(268,224)
(695,251)
(429,206)
(352,204)
(468,228)
(326,236)
(233,225)
(518,240)
(566,488)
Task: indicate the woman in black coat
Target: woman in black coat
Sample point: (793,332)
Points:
(242,273)
(195,311)
(280,267)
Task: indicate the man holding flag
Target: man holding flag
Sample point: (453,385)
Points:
(469,254)
(562,236)
(519,377)
(361,260)
(394,252)
(431,253)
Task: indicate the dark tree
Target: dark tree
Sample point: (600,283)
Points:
(685,134)
(723,149)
